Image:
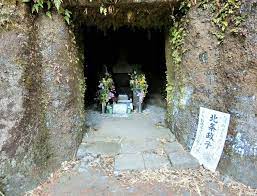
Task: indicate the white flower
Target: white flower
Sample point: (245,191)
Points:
(101,85)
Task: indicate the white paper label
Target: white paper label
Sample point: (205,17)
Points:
(210,137)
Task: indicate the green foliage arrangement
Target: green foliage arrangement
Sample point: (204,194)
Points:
(105,85)
(138,82)
(48,6)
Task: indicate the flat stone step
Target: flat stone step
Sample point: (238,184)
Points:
(155,161)
(173,147)
(92,139)
(98,148)
(125,162)
(131,146)
(183,160)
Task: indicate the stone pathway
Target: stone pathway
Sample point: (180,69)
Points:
(136,155)
(137,142)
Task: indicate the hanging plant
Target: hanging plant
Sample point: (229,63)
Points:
(48,6)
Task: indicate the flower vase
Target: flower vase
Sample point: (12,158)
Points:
(139,107)
(109,109)
(135,98)
(103,108)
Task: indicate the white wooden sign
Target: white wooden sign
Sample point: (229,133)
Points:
(210,137)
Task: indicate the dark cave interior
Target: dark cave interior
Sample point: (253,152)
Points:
(120,51)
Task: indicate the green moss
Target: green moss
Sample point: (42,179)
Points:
(175,77)
(48,6)
(226,17)
(41,148)
(175,85)
(33,124)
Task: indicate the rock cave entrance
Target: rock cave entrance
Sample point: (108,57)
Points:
(120,51)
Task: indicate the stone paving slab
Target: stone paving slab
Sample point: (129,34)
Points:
(173,147)
(125,162)
(146,145)
(155,161)
(99,147)
(183,160)
(137,128)
(92,139)
(172,137)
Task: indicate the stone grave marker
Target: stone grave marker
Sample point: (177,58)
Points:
(120,108)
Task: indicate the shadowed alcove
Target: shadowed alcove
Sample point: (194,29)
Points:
(118,38)
(120,51)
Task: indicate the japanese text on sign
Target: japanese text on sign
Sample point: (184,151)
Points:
(210,137)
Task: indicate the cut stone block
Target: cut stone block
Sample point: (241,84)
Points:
(99,147)
(155,161)
(92,139)
(138,146)
(172,137)
(173,147)
(120,108)
(123,97)
(129,162)
(183,160)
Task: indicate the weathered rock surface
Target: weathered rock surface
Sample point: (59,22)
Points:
(14,40)
(222,77)
(41,97)
(239,62)
(62,86)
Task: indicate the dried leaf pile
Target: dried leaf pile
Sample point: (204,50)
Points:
(197,182)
